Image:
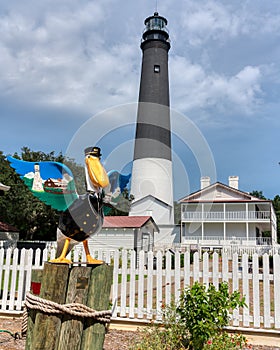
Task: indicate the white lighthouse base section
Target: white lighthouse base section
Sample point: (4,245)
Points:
(152,188)
(167,237)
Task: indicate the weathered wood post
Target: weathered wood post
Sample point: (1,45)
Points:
(36,280)
(98,299)
(47,327)
(88,286)
(72,327)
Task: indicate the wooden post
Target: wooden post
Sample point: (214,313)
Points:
(36,280)
(98,299)
(72,327)
(83,285)
(47,327)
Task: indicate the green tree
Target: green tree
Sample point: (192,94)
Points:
(258,194)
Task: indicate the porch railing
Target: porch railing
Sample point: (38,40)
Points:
(225,216)
(233,240)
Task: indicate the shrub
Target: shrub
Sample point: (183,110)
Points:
(227,341)
(205,312)
(196,322)
(167,336)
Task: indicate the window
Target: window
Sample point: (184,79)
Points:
(156,68)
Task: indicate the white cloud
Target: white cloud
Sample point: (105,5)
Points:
(215,20)
(60,58)
(210,20)
(195,88)
(76,54)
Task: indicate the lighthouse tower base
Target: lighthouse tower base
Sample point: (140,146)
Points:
(152,190)
(167,237)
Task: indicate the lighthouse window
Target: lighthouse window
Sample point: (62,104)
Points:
(156,68)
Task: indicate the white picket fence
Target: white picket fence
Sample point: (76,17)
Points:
(141,285)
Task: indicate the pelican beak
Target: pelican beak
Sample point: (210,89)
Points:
(96,172)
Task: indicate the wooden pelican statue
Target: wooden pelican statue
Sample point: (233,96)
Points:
(82,215)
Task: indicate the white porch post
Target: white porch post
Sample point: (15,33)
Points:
(247,223)
(181,232)
(225,225)
(202,222)
(202,231)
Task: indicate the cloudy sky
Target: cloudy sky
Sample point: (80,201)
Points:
(63,63)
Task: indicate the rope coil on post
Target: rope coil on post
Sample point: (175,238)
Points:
(74,309)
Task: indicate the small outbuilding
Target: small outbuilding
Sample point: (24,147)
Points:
(128,232)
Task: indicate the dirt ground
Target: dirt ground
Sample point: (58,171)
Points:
(114,339)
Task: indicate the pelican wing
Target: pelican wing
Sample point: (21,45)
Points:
(114,191)
(51,182)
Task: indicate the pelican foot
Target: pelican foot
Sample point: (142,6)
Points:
(61,261)
(91,260)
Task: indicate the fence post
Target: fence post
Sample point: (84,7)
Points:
(72,328)
(47,327)
(83,285)
(36,279)
(98,299)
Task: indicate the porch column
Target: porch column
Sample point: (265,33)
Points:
(202,221)
(181,232)
(225,225)
(247,223)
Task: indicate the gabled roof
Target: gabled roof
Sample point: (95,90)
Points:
(210,194)
(127,221)
(7,228)
(151,197)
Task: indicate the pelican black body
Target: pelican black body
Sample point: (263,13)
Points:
(83,218)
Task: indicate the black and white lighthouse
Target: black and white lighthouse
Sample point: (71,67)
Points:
(152,182)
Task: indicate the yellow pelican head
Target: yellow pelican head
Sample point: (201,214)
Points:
(96,172)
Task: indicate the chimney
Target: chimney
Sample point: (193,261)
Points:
(233,182)
(204,182)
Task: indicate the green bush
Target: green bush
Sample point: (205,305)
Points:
(167,336)
(227,341)
(205,312)
(196,322)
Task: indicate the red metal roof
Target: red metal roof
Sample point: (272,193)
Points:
(125,221)
(7,228)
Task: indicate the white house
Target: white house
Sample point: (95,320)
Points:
(221,215)
(129,232)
